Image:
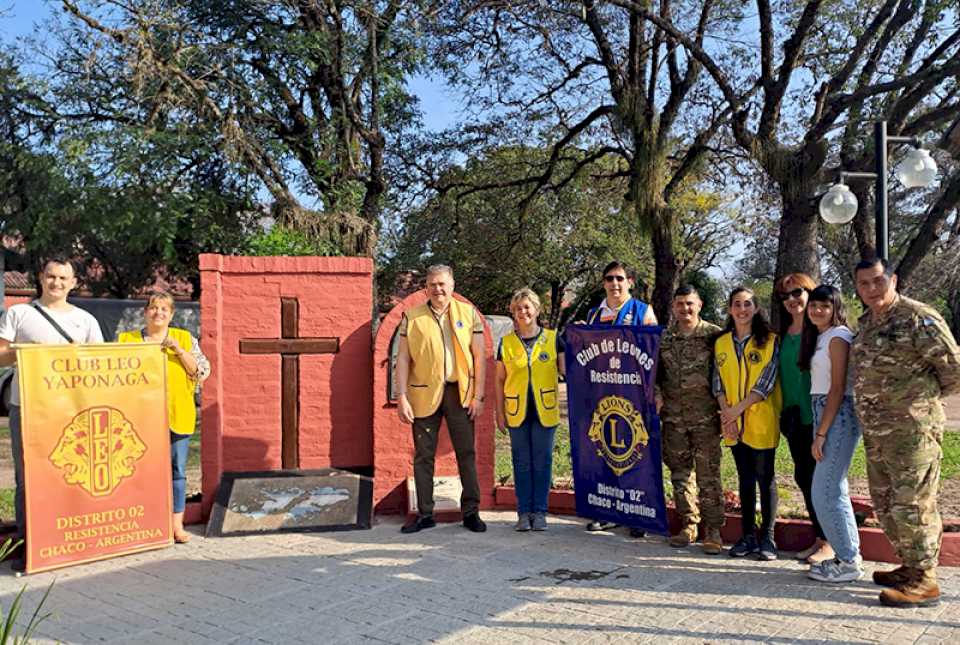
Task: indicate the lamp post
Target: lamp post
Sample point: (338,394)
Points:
(839,204)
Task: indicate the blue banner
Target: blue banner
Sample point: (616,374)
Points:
(614,427)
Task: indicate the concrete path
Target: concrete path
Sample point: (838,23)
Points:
(451,586)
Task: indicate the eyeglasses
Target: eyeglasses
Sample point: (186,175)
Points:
(796,293)
(614,278)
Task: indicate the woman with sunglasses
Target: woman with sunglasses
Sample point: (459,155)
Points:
(746,386)
(796,421)
(826,353)
(619,308)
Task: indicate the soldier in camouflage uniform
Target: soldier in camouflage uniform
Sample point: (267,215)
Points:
(689,421)
(904,358)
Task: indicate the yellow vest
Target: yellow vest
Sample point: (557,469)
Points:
(181,410)
(540,366)
(760,424)
(425,343)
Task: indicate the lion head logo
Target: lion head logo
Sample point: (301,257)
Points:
(618,433)
(98,450)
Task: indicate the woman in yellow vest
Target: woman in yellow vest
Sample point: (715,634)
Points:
(529,362)
(186,367)
(745,384)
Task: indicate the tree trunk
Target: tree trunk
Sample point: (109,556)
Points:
(864,224)
(797,250)
(927,234)
(954,303)
(667,269)
(556,304)
(647,182)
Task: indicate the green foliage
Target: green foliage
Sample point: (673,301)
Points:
(557,243)
(9,621)
(281,240)
(133,202)
(713,295)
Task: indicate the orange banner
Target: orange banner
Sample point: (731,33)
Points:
(96,451)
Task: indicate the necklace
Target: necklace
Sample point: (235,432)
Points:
(146,336)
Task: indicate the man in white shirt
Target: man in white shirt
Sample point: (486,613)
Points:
(48,320)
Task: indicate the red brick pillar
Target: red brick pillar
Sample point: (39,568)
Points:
(241,299)
(393,440)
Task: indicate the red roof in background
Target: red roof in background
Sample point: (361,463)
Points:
(19,283)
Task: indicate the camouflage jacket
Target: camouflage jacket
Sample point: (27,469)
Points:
(903,362)
(683,374)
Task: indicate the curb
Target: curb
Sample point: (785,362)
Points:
(790,534)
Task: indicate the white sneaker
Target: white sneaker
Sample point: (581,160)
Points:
(836,571)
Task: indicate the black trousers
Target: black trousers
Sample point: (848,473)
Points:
(755,469)
(426,434)
(800,439)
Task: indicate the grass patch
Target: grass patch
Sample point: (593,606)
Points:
(193,456)
(7,512)
(563,471)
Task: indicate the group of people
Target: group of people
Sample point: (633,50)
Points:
(51,320)
(816,381)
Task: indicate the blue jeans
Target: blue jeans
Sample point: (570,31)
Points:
(831,497)
(16,446)
(531,445)
(179,446)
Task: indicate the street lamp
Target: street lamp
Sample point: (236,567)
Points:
(839,204)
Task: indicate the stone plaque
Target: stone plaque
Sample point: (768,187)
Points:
(291,501)
(446,495)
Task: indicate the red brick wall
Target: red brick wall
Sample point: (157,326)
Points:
(9,301)
(241,400)
(393,440)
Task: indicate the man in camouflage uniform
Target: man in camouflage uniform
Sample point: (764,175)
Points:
(904,358)
(689,421)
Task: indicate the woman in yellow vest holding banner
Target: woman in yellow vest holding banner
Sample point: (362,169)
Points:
(186,366)
(529,362)
(746,386)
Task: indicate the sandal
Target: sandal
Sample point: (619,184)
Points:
(181,537)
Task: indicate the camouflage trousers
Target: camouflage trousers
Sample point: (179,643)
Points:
(692,453)
(904,480)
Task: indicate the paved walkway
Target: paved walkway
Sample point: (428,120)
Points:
(448,585)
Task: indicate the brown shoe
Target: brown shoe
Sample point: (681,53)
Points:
(891,578)
(686,536)
(921,590)
(712,542)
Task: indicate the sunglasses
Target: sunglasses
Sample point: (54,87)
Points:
(614,278)
(796,293)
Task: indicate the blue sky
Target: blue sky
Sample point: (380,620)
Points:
(439,106)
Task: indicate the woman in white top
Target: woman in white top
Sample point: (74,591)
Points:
(825,351)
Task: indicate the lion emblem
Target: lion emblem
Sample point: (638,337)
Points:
(618,433)
(98,450)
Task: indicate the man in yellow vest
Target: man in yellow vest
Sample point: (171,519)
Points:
(440,375)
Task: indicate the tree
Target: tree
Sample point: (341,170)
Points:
(558,245)
(559,242)
(304,96)
(160,202)
(592,76)
(834,67)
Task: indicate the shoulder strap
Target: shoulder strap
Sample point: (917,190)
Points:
(53,322)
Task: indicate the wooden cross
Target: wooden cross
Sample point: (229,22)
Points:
(290,346)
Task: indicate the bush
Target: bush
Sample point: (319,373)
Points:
(280,240)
